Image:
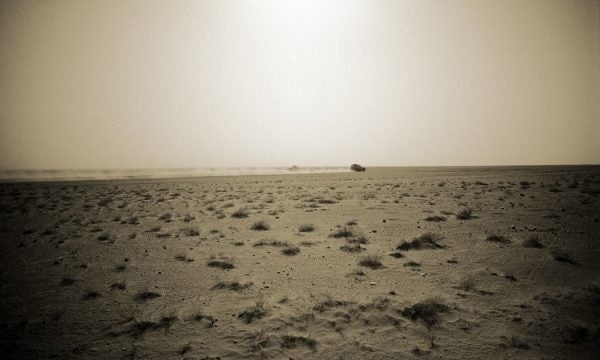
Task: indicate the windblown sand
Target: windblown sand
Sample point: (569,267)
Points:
(319,266)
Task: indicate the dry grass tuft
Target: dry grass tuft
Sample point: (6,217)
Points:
(260,226)
(371,261)
(293,341)
(427,240)
(256,312)
(500,239)
(290,250)
(465,214)
(533,241)
(426,311)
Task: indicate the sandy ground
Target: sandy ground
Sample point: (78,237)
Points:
(164,268)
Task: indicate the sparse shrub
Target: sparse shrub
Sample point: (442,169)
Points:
(352,248)
(498,239)
(145,295)
(185,349)
(239,214)
(397,255)
(562,256)
(465,214)
(290,250)
(411,264)
(467,284)
(234,285)
(533,242)
(357,240)
(260,226)
(165,217)
(518,343)
(104,237)
(306,228)
(118,286)
(344,232)
(91,295)
(183,257)
(121,268)
(426,311)
(66,281)
(138,329)
(293,341)
(257,312)
(332,303)
(188,231)
(435,218)
(326,201)
(276,243)
(210,319)
(371,261)
(427,240)
(221,264)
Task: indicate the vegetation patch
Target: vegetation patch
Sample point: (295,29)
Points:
(371,261)
(260,226)
(425,241)
(465,214)
(533,242)
(500,239)
(290,250)
(293,341)
(427,311)
(254,313)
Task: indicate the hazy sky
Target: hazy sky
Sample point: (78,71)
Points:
(139,84)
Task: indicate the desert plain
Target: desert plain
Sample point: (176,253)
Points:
(392,263)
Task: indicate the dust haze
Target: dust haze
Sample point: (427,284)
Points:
(151,84)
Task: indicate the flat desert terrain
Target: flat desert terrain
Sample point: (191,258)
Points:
(392,263)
